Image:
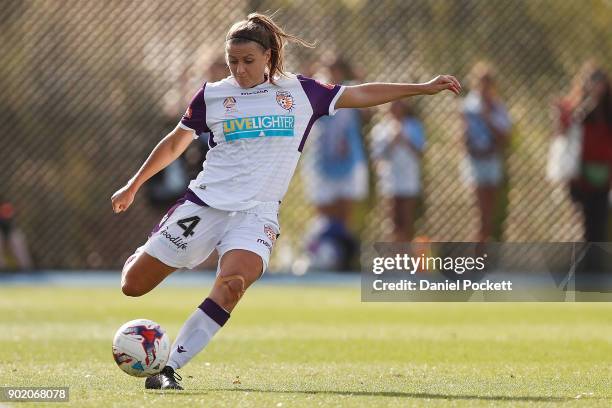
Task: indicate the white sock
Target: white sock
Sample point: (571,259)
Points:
(197,331)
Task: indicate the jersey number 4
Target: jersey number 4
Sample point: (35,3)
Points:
(188,224)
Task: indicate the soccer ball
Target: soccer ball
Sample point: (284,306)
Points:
(141,348)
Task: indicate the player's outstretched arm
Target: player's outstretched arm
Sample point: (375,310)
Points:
(166,151)
(372,94)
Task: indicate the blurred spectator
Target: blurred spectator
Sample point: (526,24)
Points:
(335,176)
(398,142)
(13,240)
(589,106)
(487,127)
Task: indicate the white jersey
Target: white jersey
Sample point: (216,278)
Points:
(256,137)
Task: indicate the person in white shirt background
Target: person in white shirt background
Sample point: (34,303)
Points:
(486,132)
(335,176)
(259,119)
(398,143)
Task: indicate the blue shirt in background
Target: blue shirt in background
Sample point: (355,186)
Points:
(339,146)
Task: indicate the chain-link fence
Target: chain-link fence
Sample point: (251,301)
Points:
(89,87)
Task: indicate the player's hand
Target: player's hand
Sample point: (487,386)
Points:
(123,198)
(442,83)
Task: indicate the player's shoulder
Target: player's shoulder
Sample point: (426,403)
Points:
(287,79)
(313,85)
(222,83)
(290,76)
(307,80)
(302,80)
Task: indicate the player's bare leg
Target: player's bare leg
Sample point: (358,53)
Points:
(239,269)
(142,273)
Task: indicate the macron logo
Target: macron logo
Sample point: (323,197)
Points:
(180,349)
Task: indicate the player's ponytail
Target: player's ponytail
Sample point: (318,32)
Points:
(262,30)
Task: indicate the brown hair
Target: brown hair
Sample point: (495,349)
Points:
(262,30)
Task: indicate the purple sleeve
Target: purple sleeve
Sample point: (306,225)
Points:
(322,97)
(195,116)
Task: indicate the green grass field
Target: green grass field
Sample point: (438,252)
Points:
(291,346)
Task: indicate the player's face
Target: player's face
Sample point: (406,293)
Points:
(247,63)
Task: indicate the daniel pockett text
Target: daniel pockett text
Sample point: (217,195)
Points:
(427,271)
(420,267)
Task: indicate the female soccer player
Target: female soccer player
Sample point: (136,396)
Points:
(258,119)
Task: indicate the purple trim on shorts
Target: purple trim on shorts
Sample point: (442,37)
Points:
(214,311)
(191,196)
(168,214)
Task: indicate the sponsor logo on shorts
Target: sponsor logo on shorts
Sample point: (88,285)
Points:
(266,243)
(176,241)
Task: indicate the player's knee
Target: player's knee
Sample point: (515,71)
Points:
(231,292)
(235,288)
(131,288)
(232,287)
(130,285)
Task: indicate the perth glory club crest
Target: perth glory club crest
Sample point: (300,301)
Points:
(285,100)
(270,233)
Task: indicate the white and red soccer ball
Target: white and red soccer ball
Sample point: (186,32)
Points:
(141,348)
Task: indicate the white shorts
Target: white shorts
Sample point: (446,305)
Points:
(323,190)
(395,182)
(482,172)
(189,232)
